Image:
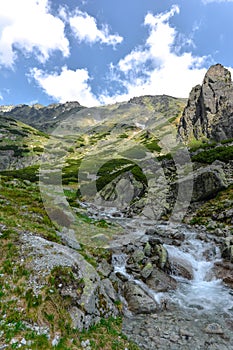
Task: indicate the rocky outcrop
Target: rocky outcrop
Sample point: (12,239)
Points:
(209,111)
(205,183)
(90,297)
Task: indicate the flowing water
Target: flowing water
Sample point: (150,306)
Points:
(204,291)
(200,302)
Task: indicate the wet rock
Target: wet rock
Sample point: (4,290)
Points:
(227,248)
(159,281)
(138,301)
(122,277)
(163,255)
(180,267)
(147,249)
(138,256)
(147,270)
(151,231)
(224,271)
(105,268)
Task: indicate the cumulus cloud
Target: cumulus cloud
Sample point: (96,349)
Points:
(28,26)
(69,85)
(157,67)
(85,29)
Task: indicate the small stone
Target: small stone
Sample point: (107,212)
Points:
(147,270)
(185,333)
(213,328)
(147,249)
(138,256)
(55,340)
(174,338)
(23,341)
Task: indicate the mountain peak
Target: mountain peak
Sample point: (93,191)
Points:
(217,73)
(209,110)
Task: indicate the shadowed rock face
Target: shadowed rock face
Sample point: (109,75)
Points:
(209,111)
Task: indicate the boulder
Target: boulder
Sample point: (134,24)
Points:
(205,184)
(139,302)
(159,281)
(180,267)
(227,248)
(224,271)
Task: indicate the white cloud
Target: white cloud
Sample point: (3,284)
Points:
(157,67)
(85,29)
(69,85)
(28,26)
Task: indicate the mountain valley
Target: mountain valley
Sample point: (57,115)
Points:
(108,213)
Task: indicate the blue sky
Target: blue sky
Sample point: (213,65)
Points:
(102,51)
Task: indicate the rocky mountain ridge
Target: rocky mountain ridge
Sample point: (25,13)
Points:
(43,118)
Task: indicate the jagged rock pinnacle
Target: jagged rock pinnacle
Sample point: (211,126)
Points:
(209,110)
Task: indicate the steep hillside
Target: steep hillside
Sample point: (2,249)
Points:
(20,144)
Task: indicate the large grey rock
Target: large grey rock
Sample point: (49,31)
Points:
(204,184)
(159,281)
(90,297)
(138,301)
(209,111)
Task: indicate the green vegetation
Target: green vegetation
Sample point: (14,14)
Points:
(23,311)
(29,173)
(107,335)
(221,153)
(136,152)
(195,144)
(70,171)
(116,167)
(217,209)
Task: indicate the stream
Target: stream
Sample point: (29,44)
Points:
(200,309)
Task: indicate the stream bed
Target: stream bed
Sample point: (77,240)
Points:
(199,313)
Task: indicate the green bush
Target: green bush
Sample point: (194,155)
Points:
(209,156)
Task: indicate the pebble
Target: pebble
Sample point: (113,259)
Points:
(213,328)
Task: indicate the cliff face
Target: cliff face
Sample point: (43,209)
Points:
(209,110)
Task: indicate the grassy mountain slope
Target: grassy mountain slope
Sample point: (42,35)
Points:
(91,147)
